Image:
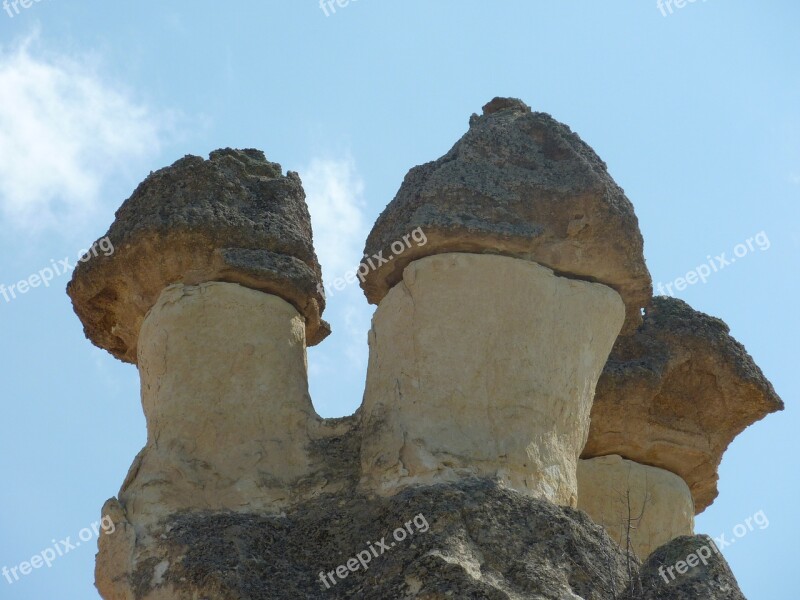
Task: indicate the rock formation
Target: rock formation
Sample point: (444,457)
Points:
(484,365)
(232,218)
(521,217)
(518,184)
(701,572)
(459,474)
(675,394)
(212,291)
(641,507)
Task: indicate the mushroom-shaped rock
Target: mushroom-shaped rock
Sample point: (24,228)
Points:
(675,394)
(517,184)
(233,218)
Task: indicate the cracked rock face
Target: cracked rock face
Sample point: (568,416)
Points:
(675,394)
(518,184)
(232,218)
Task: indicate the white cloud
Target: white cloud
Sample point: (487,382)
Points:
(335,196)
(64,132)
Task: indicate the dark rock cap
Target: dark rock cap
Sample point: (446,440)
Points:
(233,218)
(518,184)
(676,393)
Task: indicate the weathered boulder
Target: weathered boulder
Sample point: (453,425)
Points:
(641,507)
(675,394)
(523,185)
(484,365)
(232,218)
(687,568)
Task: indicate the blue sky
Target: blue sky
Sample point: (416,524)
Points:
(697,114)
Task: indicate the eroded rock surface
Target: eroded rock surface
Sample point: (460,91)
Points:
(484,365)
(518,184)
(458,545)
(230,424)
(641,507)
(485,350)
(234,217)
(709,579)
(675,394)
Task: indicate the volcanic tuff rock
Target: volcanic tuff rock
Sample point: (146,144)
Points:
(467,551)
(232,218)
(230,424)
(464,550)
(649,505)
(519,184)
(711,581)
(484,355)
(484,365)
(676,393)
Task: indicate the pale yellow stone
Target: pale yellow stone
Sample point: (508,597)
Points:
(484,365)
(225,393)
(661,498)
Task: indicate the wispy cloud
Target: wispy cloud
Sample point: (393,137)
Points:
(64,132)
(335,195)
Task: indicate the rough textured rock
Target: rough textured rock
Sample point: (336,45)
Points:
(675,394)
(710,579)
(230,424)
(519,184)
(232,218)
(484,365)
(459,547)
(485,351)
(650,505)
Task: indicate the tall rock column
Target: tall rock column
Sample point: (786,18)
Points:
(213,292)
(492,329)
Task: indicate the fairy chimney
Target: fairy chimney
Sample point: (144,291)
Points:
(503,274)
(489,338)
(672,397)
(213,293)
